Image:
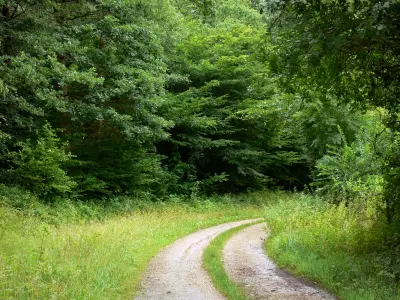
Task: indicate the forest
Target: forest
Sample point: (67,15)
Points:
(108,103)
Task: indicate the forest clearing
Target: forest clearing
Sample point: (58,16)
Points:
(131,128)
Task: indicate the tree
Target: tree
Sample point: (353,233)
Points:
(228,134)
(93,70)
(40,166)
(348,49)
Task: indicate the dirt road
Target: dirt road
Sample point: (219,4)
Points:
(247,264)
(177,273)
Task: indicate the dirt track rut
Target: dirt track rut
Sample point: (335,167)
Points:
(176,273)
(247,265)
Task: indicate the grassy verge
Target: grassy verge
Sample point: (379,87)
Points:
(338,246)
(213,263)
(80,252)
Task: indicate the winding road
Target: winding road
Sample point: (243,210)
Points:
(176,273)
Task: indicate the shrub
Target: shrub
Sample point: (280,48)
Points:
(355,170)
(38,165)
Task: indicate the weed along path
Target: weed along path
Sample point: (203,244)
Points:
(176,273)
(248,266)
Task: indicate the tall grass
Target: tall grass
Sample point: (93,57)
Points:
(337,246)
(79,251)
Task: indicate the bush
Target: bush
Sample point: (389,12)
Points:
(38,166)
(16,198)
(355,170)
(392,182)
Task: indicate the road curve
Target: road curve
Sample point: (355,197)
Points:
(176,273)
(248,266)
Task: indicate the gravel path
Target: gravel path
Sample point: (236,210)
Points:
(177,273)
(247,264)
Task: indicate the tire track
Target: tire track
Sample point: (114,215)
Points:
(176,273)
(248,266)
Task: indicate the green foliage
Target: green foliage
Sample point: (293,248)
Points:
(16,198)
(152,97)
(348,48)
(93,74)
(356,170)
(392,179)
(38,166)
(227,126)
(319,119)
(161,98)
(122,101)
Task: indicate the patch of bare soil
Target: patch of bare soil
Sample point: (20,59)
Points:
(248,265)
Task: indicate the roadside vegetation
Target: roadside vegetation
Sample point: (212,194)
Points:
(342,248)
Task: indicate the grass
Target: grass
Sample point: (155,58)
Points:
(340,247)
(76,251)
(213,263)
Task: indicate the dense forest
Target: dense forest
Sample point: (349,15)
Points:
(157,100)
(160,98)
(145,98)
